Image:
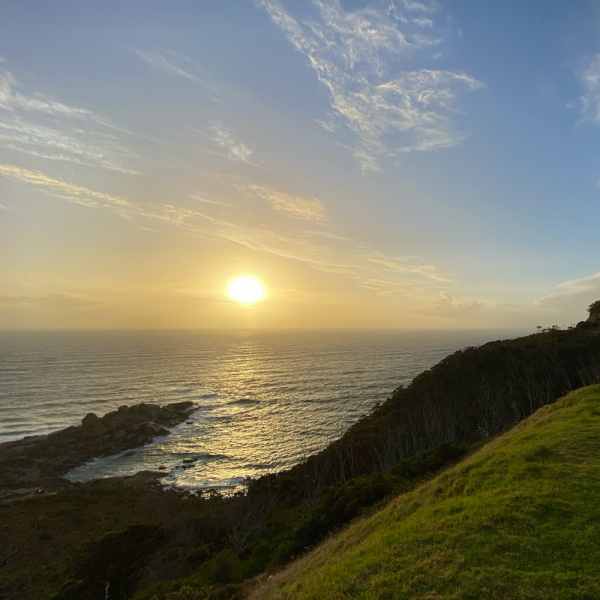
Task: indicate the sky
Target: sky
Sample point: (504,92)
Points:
(380,164)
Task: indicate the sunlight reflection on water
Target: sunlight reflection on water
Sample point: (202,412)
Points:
(264,399)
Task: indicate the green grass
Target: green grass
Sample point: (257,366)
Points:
(519,519)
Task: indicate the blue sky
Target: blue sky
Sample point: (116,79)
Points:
(374,164)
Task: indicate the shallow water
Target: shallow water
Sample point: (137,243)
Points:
(264,399)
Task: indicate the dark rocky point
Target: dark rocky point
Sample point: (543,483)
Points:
(42,460)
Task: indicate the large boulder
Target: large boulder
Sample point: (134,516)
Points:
(157,429)
(180,406)
(90,419)
(118,435)
(93,431)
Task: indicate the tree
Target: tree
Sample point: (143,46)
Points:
(594,308)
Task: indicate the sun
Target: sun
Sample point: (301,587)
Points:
(246,290)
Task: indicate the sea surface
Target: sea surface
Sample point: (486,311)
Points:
(265,399)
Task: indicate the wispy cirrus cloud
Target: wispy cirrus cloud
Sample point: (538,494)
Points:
(180,65)
(235,148)
(50,300)
(321,249)
(13,100)
(204,200)
(590,100)
(44,127)
(408,265)
(157,60)
(71,192)
(353,54)
(90,148)
(311,209)
(572,296)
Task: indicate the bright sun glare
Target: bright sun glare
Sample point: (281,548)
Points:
(246,290)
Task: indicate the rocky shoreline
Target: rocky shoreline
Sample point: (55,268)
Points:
(38,463)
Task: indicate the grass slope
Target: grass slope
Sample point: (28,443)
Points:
(519,519)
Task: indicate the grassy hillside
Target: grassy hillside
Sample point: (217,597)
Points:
(518,519)
(71,544)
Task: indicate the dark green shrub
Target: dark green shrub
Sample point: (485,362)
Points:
(115,560)
(225,567)
(201,554)
(430,461)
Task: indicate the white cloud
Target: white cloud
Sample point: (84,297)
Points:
(297,206)
(447,305)
(11,99)
(89,148)
(590,101)
(71,192)
(236,149)
(204,200)
(416,6)
(158,61)
(353,53)
(323,250)
(43,127)
(408,265)
(180,65)
(571,298)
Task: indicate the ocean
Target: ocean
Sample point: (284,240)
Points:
(266,399)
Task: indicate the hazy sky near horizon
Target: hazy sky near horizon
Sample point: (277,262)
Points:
(375,164)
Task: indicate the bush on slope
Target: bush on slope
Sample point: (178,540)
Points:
(519,519)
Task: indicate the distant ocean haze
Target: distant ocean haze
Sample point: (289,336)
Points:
(266,399)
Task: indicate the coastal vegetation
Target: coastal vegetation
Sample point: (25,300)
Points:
(518,519)
(128,538)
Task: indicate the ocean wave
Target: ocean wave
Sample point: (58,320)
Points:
(265,399)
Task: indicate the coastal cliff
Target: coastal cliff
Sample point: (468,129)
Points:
(146,543)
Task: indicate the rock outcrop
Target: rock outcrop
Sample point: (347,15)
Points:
(43,459)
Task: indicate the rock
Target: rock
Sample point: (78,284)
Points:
(162,468)
(93,431)
(166,416)
(33,439)
(90,419)
(13,452)
(180,406)
(142,478)
(29,475)
(189,422)
(149,408)
(189,460)
(37,459)
(157,429)
(131,426)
